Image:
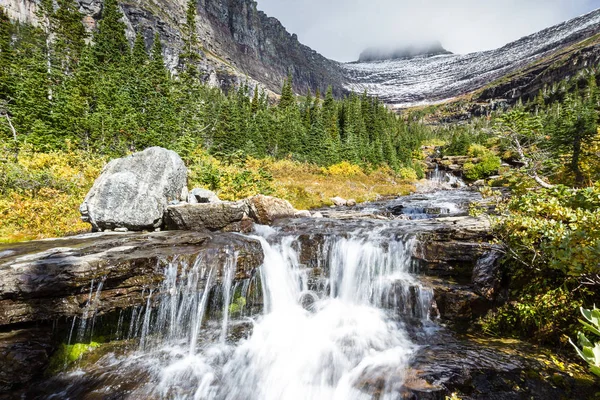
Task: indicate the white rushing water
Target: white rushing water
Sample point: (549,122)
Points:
(333,332)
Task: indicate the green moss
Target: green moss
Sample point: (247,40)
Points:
(67,355)
(238,305)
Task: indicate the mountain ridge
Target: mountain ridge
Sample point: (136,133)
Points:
(241,44)
(406,83)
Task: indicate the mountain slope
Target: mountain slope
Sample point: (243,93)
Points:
(239,42)
(434,79)
(242,44)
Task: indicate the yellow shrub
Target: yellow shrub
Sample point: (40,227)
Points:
(407,174)
(343,169)
(477,150)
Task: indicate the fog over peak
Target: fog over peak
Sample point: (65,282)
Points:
(342,29)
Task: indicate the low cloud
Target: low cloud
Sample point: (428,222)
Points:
(341,29)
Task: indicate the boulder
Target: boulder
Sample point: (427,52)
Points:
(339,202)
(317,215)
(351,203)
(265,210)
(133,192)
(303,214)
(202,196)
(205,216)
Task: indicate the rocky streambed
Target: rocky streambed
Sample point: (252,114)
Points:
(371,301)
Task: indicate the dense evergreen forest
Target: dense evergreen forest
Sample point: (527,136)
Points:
(113,98)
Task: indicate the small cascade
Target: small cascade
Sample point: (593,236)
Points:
(440,180)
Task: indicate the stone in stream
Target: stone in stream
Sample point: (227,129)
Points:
(339,202)
(133,192)
(265,210)
(303,214)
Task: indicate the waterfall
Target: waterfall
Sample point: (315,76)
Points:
(440,180)
(330,347)
(336,331)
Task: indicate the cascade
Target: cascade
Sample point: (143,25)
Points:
(323,333)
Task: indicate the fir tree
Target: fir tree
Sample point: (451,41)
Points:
(70,35)
(110,43)
(6,58)
(287,99)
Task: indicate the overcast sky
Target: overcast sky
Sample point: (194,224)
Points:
(341,29)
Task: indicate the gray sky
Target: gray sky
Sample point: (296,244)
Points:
(341,29)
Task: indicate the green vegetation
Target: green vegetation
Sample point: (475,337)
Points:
(550,226)
(67,355)
(589,351)
(487,163)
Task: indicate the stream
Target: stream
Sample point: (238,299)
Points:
(338,309)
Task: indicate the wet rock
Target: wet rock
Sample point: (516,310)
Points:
(266,209)
(351,203)
(317,215)
(482,369)
(27,352)
(46,280)
(201,196)
(303,214)
(339,202)
(458,304)
(487,275)
(133,192)
(205,216)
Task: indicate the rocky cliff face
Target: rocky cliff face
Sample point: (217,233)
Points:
(239,42)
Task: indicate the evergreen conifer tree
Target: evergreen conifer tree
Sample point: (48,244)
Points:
(110,43)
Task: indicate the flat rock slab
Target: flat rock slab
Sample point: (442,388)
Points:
(44,280)
(483,368)
(206,216)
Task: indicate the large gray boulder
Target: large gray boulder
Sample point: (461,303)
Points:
(133,192)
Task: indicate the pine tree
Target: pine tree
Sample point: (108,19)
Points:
(255,104)
(287,99)
(307,110)
(110,43)
(190,55)
(6,58)
(575,123)
(70,35)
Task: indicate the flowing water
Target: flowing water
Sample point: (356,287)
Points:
(335,330)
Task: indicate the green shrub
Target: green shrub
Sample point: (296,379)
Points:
(488,165)
(552,238)
(589,351)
